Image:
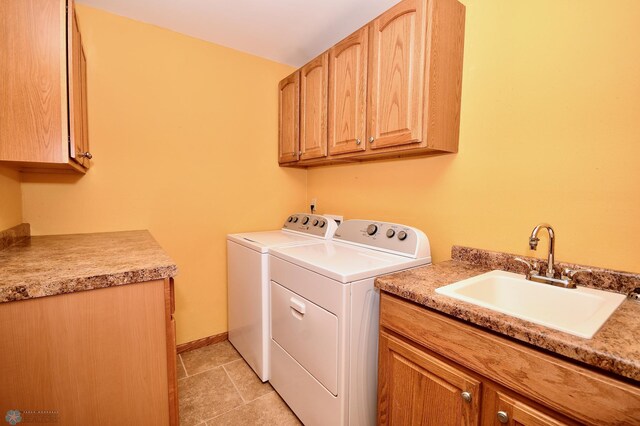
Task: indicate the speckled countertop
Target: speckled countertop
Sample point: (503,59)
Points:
(614,348)
(58,264)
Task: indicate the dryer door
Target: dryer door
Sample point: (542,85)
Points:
(306,332)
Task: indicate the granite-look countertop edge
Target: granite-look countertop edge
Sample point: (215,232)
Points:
(62,264)
(615,347)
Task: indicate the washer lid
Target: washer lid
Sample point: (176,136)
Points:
(262,241)
(344,262)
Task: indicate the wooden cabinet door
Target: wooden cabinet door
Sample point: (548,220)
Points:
(77,63)
(501,409)
(33,86)
(289,116)
(348,93)
(415,388)
(396,75)
(313,108)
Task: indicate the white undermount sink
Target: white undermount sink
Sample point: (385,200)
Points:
(580,311)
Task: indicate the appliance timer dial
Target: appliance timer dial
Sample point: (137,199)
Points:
(372,229)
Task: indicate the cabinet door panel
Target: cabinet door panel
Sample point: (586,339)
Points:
(514,411)
(396,75)
(418,389)
(347,93)
(78,136)
(32,81)
(289,114)
(313,108)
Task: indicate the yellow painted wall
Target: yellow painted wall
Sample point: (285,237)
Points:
(184,138)
(550,131)
(10,199)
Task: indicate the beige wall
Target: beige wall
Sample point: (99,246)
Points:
(10,199)
(550,131)
(184,138)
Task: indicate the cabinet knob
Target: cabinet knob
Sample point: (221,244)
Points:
(358,141)
(299,153)
(466,396)
(86,155)
(503,417)
(371,139)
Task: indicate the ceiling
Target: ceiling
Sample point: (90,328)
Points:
(286,31)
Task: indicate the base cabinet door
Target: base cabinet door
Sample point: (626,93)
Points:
(503,409)
(415,388)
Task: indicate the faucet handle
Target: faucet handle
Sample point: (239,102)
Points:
(533,266)
(570,273)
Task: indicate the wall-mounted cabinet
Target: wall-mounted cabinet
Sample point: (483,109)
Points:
(393,89)
(43,87)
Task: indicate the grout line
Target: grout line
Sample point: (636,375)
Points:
(234,385)
(208,369)
(183,367)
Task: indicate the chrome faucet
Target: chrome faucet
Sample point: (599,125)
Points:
(566,276)
(533,243)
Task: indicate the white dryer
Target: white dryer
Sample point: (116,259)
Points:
(324,318)
(248,282)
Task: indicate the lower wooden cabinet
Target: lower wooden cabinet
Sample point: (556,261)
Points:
(436,370)
(96,357)
(418,388)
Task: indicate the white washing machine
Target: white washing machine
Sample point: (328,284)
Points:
(248,282)
(324,318)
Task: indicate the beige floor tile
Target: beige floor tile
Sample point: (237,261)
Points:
(206,395)
(246,381)
(266,410)
(179,368)
(208,357)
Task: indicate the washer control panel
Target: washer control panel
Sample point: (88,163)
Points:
(386,236)
(311,224)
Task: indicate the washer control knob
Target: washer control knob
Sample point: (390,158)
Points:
(322,223)
(372,229)
(295,219)
(390,233)
(290,219)
(305,220)
(315,222)
(402,235)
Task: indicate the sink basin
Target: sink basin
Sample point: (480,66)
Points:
(580,311)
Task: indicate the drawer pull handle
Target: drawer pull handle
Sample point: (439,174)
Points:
(297,306)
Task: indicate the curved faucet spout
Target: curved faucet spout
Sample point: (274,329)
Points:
(533,243)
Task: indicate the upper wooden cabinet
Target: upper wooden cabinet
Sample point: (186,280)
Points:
(313,108)
(289,119)
(396,75)
(394,86)
(348,93)
(43,110)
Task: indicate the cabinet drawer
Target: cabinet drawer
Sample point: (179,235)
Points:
(308,333)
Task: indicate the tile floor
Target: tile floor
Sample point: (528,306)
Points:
(216,387)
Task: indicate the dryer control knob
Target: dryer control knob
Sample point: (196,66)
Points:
(295,219)
(322,223)
(290,219)
(402,235)
(372,229)
(390,233)
(305,220)
(315,222)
